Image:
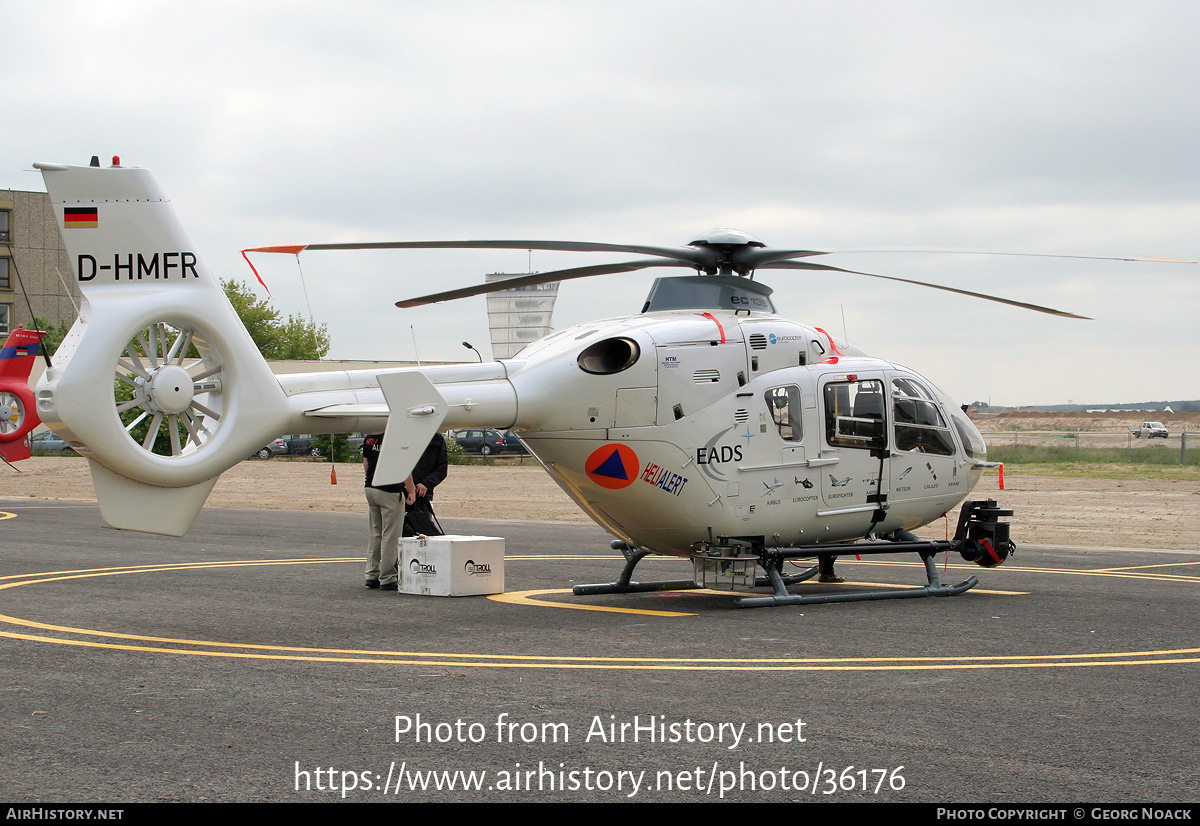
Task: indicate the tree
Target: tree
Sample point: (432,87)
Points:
(54,333)
(276,339)
(337,445)
(300,339)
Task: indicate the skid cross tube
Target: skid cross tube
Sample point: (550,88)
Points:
(935,588)
(624,583)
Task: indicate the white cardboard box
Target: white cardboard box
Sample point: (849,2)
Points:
(452,566)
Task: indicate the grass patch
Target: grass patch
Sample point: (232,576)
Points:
(1100,470)
(1053,454)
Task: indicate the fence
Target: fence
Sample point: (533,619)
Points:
(1042,446)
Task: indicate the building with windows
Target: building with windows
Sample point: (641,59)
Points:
(31,246)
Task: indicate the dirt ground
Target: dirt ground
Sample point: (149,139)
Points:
(1087,422)
(1134,513)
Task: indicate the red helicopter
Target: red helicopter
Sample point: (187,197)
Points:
(18,413)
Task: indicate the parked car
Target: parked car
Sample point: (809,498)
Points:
(301,445)
(485,441)
(278,447)
(46,443)
(1150,430)
(512,444)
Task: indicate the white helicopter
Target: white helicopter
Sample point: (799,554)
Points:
(705,427)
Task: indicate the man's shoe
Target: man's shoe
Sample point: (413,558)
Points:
(391,586)
(372,583)
(831,578)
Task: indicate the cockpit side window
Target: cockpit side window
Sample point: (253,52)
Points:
(784,404)
(920,426)
(854,414)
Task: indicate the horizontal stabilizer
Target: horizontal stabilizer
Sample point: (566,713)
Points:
(417,411)
(345,411)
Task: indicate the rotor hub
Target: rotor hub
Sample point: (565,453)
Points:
(10,411)
(727,238)
(169,389)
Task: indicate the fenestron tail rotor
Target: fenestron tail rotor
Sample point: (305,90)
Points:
(12,412)
(159,376)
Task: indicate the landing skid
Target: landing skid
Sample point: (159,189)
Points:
(780,582)
(980,537)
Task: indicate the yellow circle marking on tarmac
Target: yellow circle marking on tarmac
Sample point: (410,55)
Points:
(211,648)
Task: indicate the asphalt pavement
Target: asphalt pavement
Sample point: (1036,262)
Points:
(247,662)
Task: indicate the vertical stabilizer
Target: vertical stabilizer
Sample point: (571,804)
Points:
(157,382)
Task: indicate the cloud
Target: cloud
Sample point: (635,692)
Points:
(1022,127)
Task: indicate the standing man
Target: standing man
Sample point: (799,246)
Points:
(429,472)
(385,505)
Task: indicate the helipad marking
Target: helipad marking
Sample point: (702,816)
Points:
(449,659)
(527,598)
(1143,567)
(87,573)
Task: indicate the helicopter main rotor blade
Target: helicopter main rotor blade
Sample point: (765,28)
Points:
(803,265)
(541,278)
(951,251)
(754,258)
(690,254)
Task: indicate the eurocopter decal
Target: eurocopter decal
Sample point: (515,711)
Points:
(616,432)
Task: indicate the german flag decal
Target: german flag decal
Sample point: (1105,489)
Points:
(612,466)
(80,218)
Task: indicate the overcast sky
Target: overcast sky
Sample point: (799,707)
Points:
(1060,127)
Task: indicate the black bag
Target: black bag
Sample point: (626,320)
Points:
(419,519)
